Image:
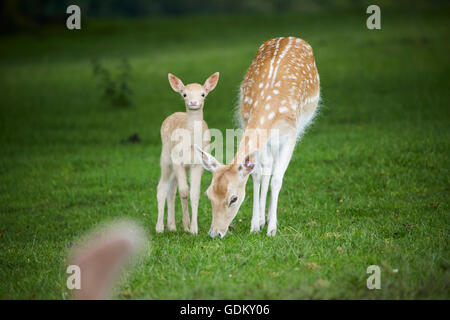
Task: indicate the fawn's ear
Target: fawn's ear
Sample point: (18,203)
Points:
(211,82)
(176,84)
(208,161)
(248,165)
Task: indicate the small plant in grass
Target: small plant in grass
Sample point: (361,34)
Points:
(115,90)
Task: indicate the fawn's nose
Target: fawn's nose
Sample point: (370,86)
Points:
(193,103)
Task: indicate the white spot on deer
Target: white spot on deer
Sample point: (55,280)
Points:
(276,91)
(283,102)
(261,121)
(267,106)
(278,84)
(268,98)
(271,115)
(261,85)
(283,109)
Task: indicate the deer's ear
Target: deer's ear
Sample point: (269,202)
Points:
(211,82)
(176,84)
(249,164)
(208,161)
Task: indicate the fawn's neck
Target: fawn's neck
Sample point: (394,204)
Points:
(193,116)
(194,123)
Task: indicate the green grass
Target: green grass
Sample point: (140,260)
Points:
(368,184)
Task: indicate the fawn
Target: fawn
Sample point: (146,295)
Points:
(191,127)
(278,99)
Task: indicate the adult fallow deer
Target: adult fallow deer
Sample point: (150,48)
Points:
(278,99)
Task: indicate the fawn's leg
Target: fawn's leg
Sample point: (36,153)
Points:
(183,189)
(163,188)
(171,203)
(196,178)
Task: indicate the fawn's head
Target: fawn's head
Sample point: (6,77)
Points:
(194,94)
(227,189)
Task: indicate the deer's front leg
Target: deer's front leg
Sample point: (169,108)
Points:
(183,190)
(171,203)
(163,188)
(256,177)
(280,165)
(266,172)
(195,177)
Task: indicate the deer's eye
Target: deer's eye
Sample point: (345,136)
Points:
(184,95)
(233,200)
(203,95)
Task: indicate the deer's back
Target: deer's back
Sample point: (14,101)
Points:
(281,85)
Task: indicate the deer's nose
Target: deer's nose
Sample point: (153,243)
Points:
(212,234)
(193,103)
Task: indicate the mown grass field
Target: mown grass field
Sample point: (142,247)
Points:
(368,184)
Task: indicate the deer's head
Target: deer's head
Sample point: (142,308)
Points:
(227,189)
(194,94)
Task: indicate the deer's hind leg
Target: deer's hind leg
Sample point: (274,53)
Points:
(171,203)
(163,189)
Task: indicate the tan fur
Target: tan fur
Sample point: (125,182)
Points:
(173,171)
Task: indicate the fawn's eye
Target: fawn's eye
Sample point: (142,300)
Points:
(203,94)
(233,200)
(184,95)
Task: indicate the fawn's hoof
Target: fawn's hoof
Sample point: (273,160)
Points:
(194,229)
(160,228)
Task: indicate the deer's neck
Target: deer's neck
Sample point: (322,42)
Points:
(194,125)
(252,139)
(194,116)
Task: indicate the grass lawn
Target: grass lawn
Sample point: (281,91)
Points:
(368,184)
